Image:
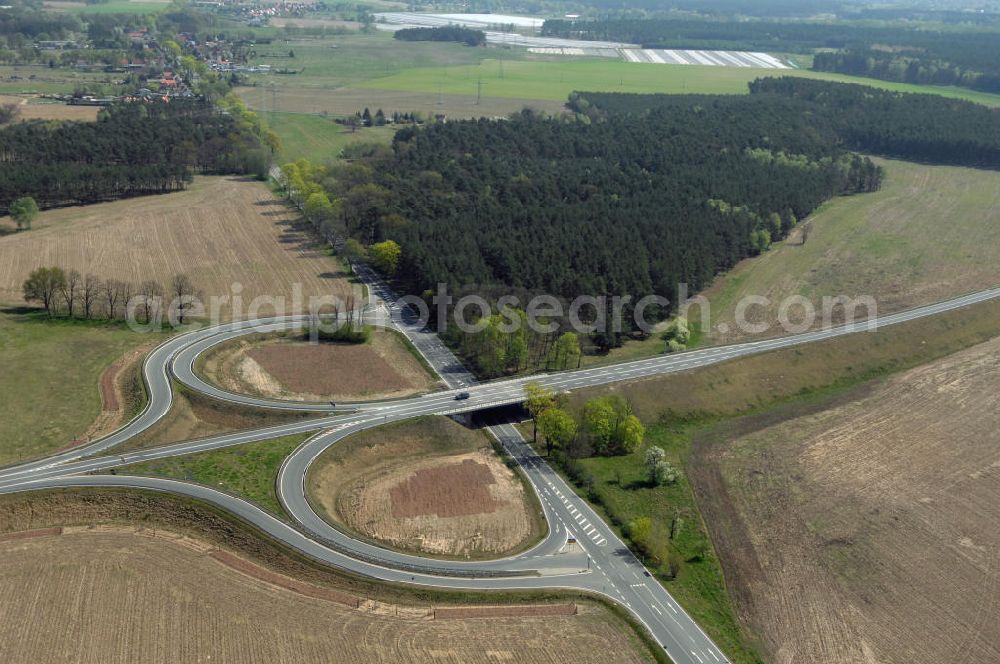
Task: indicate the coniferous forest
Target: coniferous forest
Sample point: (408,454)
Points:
(133,149)
(613,203)
(635,194)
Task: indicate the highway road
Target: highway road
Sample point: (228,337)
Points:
(598,562)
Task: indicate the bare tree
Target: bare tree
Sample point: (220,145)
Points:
(112,292)
(126,290)
(69,290)
(90,289)
(151,298)
(182,291)
(804,234)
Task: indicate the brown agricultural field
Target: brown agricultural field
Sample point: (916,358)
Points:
(38,110)
(292,368)
(220,232)
(112,595)
(429,485)
(865,530)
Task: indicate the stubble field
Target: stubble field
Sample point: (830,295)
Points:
(116,596)
(865,532)
(220,232)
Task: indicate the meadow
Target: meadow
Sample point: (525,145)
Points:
(50,379)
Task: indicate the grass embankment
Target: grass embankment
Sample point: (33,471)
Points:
(249,471)
(194,415)
(51,371)
(359,466)
(679,408)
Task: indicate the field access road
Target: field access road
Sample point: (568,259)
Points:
(598,562)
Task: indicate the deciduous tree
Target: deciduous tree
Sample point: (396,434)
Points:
(23,211)
(385,256)
(558,428)
(43,285)
(183,292)
(537,400)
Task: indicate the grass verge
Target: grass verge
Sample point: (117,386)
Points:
(195,415)
(248,471)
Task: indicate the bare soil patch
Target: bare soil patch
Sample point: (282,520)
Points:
(866,531)
(430,486)
(289,368)
(108,595)
(453,489)
(231,236)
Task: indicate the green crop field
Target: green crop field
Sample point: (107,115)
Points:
(16,79)
(554,80)
(111,7)
(348,59)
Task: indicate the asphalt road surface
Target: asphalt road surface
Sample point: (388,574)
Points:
(597,561)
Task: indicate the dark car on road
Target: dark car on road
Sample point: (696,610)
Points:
(462,396)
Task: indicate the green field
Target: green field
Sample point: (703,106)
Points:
(249,471)
(930,233)
(554,80)
(113,7)
(319,138)
(16,79)
(49,381)
(349,59)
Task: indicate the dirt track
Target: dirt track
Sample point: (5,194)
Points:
(866,532)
